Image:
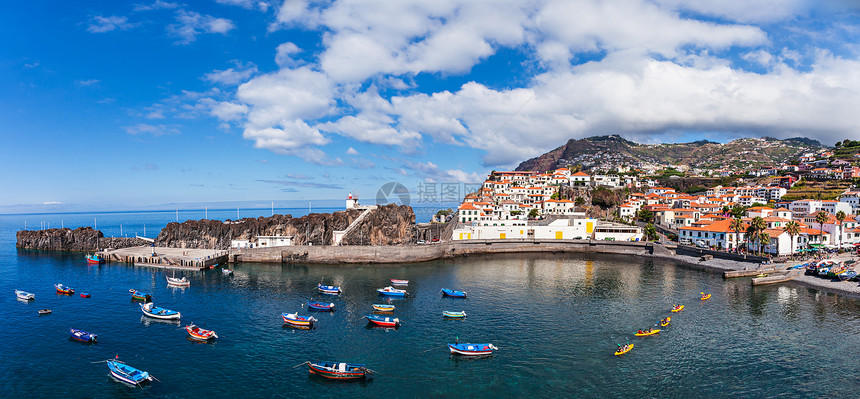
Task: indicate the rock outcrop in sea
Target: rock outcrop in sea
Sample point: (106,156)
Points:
(80,239)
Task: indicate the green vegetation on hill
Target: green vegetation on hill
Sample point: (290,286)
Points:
(816,190)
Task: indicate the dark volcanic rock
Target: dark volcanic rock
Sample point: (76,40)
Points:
(80,239)
(386,225)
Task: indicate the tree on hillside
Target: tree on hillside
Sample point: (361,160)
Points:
(764,239)
(650,232)
(579,201)
(554,196)
(533,214)
(758,225)
(645,215)
(821,218)
(738,211)
(840,217)
(793,229)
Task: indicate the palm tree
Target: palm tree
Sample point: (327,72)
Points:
(821,218)
(758,225)
(750,236)
(737,225)
(793,229)
(840,216)
(763,238)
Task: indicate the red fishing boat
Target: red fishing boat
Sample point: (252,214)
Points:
(199,333)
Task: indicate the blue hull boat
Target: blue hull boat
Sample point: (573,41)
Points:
(323,307)
(126,373)
(82,336)
(329,289)
(453,293)
(391,291)
(156,312)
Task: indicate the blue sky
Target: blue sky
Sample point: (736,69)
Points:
(115,104)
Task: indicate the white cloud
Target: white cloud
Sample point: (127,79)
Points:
(431,173)
(190,24)
(155,130)
(743,10)
(248,4)
(352,151)
(227,111)
(157,5)
(52,203)
(100,24)
(232,76)
(284,52)
(88,82)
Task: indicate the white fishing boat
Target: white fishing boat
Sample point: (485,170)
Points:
(178,282)
(24,295)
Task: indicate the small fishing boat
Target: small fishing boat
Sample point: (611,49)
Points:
(624,349)
(395,281)
(339,371)
(706,297)
(453,315)
(847,275)
(126,373)
(677,308)
(24,295)
(328,289)
(391,291)
(453,293)
(472,349)
(383,321)
(62,289)
(44,311)
(665,322)
(82,336)
(199,333)
(760,275)
(294,319)
(85,295)
(227,272)
(325,307)
(149,309)
(383,308)
(178,282)
(140,296)
(646,333)
(94,259)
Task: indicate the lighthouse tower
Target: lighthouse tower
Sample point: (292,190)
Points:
(351,201)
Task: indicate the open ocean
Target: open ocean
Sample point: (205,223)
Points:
(556,319)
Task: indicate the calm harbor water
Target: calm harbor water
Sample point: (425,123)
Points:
(556,319)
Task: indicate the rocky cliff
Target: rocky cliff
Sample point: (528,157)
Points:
(387,225)
(80,239)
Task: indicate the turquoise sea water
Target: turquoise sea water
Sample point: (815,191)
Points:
(556,319)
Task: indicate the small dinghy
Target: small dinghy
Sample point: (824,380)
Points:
(391,291)
(624,349)
(62,289)
(140,296)
(706,297)
(453,315)
(85,295)
(383,308)
(383,321)
(24,295)
(677,308)
(156,312)
(126,373)
(665,322)
(329,289)
(82,336)
(44,311)
(324,307)
(453,293)
(94,259)
(178,282)
(199,333)
(227,272)
(645,333)
(295,320)
(339,371)
(472,349)
(395,281)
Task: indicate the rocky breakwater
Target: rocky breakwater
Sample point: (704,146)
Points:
(81,239)
(386,225)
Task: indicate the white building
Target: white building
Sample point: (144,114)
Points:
(801,208)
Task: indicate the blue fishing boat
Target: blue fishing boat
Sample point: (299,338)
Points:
(94,258)
(140,296)
(150,310)
(847,275)
(126,373)
(379,307)
(391,291)
(82,336)
(339,371)
(472,349)
(383,321)
(453,315)
(65,290)
(453,293)
(296,320)
(329,289)
(325,307)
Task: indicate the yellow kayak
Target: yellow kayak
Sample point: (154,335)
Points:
(624,349)
(678,309)
(706,297)
(665,322)
(647,333)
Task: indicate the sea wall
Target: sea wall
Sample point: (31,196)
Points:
(695,251)
(81,239)
(386,225)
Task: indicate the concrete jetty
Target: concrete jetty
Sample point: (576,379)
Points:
(168,258)
(776,278)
